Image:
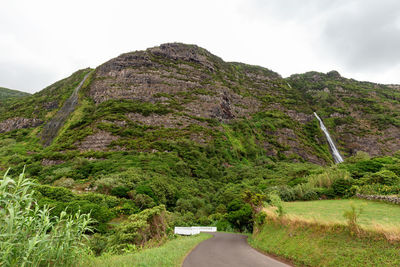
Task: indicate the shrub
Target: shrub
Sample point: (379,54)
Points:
(242,218)
(286,193)
(140,228)
(56,193)
(142,201)
(106,184)
(352,216)
(224,225)
(277,202)
(310,195)
(100,213)
(342,187)
(384,177)
(64,182)
(325,193)
(29,236)
(120,191)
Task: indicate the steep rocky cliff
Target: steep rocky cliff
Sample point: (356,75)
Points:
(167,97)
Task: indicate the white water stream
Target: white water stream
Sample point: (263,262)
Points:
(335,153)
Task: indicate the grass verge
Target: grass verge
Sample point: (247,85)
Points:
(313,244)
(374,215)
(170,254)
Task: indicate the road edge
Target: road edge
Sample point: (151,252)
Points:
(275,257)
(190,251)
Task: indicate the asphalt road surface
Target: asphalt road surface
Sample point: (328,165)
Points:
(228,250)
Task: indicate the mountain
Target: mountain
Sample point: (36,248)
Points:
(148,100)
(8,94)
(177,110)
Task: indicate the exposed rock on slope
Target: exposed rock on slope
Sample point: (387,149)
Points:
(18,123)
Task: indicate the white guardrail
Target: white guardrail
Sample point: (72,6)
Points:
(194,230)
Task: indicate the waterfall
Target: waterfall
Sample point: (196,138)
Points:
(335,153)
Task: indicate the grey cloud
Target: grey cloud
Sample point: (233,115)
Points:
(24,77)
(287,10)
(365,36)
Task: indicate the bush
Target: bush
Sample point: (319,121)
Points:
(100,213)
(384,177)
(352,216)
(310,195)
(276,202)
(29,236)
(342,187)
(64,182)
(325,193)
(140,228)
(120,191)
(286,193)
(56,193)
(224,225)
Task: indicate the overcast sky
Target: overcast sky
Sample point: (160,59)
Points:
(43,41)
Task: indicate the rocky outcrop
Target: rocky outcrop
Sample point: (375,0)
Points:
(96,142)
(167,121)
(180,72)
(18,123)
(391,199)
(51,162)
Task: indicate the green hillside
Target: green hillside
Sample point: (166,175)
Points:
(8,94)
(175,125)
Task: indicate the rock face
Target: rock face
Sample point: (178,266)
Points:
(98,141)
(18,123)
(184,73)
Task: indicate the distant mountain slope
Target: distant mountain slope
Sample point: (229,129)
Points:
(7,94)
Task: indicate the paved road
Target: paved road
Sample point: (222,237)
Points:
(228,250)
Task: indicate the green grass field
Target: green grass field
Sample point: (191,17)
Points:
(308,245)
(373,213)
(170,254)
(314,233)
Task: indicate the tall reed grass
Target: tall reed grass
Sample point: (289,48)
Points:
(30,236)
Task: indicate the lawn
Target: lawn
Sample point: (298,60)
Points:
(373,213)
(170,254)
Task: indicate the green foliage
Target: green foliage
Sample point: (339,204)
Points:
(341,187)
(240,215)
(7,94)
(276,201)
(140,228)
(351,216)
(30,236)
(120,191)
(56,193)
(384,177)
